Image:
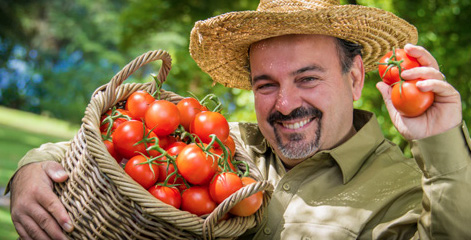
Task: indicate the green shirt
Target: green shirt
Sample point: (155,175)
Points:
(362,189)
(366,188)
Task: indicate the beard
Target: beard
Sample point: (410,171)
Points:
(297,146)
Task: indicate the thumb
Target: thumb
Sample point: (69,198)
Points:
(55,171)
(385,91)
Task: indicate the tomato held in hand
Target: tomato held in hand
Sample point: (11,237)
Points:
(223,185)
(162,117)
(207,123)
(188,108)
(408,100)
(168,195)
(196,166)
(249,205)
(197,200)
(143,173)
(137,104)
(388,69)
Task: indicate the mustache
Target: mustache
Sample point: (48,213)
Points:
(300,112)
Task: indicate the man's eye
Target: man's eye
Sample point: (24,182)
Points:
(308,79)
(265,86)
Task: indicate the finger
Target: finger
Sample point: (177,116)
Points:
(439,87)
(55,171)
(385,91)
(423,56)
(21,231)
(54,206)
(421,73)
(47,223)
(32,229)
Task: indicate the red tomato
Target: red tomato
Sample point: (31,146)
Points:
(175,148)
(127,135)
(249,205)
(110,147)
(137,104)
(165,141)
(169,140)
(182,187)
(188,108)
(220,152)
(410,101)
(393,75)
(142,173)
(230,145)
(195,165)
(162,117)
(197,200)
(165,169)
(168,195)
(223,185)
(115,120)
(207,123)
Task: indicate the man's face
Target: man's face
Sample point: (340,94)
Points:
(303,101)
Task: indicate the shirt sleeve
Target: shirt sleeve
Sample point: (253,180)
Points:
(445,162)
(46,152)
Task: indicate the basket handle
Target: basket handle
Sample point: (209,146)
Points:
(231,201)
(130,68)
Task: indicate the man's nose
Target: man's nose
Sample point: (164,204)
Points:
(288,99)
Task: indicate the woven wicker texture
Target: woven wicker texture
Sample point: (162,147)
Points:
(219,45)
(105,203)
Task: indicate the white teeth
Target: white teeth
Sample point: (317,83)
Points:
(296,125)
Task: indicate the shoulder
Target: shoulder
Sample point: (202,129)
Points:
(247,133)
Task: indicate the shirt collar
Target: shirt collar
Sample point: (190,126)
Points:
(351,154)
(251,136)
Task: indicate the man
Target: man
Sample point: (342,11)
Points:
(335,175)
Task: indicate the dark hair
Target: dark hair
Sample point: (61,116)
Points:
(347,52)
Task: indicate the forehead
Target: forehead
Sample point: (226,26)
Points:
(290,41)
(294,51)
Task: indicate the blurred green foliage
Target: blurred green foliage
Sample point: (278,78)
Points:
(55,53)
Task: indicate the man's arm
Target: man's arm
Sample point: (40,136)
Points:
(445,161)
(440,144)
(36,211)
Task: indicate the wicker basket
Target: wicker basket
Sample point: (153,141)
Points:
(105,203)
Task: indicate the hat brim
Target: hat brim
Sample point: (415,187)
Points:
(219,45)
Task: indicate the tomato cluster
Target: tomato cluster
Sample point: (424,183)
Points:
(408,100)
(181,153)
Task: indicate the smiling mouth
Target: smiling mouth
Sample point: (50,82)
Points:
(296,125)
(296,119)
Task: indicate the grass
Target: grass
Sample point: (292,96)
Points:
(20,132)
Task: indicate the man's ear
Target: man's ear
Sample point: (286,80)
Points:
(357,76)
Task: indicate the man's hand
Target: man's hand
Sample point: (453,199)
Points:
(445,112)
(36,211)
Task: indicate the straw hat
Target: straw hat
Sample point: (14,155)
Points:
(219,45)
